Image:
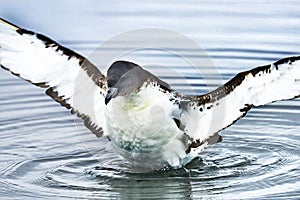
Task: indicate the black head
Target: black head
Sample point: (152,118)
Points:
(125,77)
(117,70)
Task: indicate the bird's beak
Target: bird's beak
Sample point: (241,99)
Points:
(111,93)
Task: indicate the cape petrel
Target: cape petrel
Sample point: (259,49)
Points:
(148,122)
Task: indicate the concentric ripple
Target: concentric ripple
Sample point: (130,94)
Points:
(237,168)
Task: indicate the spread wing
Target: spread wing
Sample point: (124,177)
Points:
(68,78)
(206,115)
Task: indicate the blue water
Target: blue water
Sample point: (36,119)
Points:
(44,154)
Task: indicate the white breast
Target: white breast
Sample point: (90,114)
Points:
(142,128)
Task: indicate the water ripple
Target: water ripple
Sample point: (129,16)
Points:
(44,155)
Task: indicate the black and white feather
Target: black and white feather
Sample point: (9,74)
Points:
(149,123)
(222,107)
(43,62)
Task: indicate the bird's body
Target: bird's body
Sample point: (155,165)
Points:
(142,127)
(148,123)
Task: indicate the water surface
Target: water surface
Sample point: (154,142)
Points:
(44,155)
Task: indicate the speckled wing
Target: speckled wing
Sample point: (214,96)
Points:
(206,115)
(69,78)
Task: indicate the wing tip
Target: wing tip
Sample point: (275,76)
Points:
(8,24)
(287,60)
(14,27)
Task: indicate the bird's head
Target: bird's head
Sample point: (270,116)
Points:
(125,78)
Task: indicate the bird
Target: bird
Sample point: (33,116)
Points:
(148,123)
